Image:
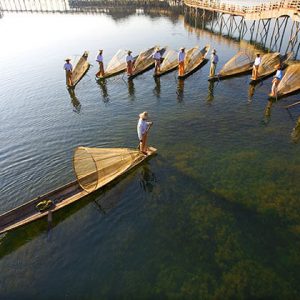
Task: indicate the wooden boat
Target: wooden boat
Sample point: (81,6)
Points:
(94,168)
(145,61)
(169,64)
(268,65)
(80,69)
(239,64)
(116,65)
(290,82)
(193,61)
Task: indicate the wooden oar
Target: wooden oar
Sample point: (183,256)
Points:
(291,105)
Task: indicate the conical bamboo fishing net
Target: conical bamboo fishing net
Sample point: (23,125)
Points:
(144,60)
(268,63)
(195,58)
(117,63)
(95,167)
(80,68)
(290,81)
(170,61)
(241,62)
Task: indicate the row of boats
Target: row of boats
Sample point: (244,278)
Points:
(194,59)
(239,64)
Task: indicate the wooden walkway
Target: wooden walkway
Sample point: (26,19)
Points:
(249,9)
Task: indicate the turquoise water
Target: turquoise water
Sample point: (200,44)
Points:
(215,214)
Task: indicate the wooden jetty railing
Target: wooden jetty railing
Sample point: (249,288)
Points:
(251,10)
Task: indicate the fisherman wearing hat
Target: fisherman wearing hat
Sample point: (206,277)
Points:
(214,59)
(257,62)
(142,130)
(68,68)
(129,63)
(278,76)
(181,57)
(99,59)
(157,59)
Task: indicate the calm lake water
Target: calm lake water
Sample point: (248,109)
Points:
(215,215)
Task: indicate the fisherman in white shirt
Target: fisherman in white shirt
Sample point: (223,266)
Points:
(181,57)
(69,69)
(257,62)
(157,59)
(99,59)
(142,130)
(129,63)
(214,59)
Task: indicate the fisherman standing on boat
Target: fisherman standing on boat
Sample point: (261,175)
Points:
(257,62)
(214,59)
(69,69)
(278,76)
(157,59)
(99,59)
(129,63)
(181,57)
(142,130)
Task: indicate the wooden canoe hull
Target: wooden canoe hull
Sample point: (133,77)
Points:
(147,68)
(63,196)
(165,72)
(196,68)
(224,77)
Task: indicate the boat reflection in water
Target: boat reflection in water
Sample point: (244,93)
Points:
(156,90)
(210,96)
(180,90)
(74,100)
(295,135)
(103,87)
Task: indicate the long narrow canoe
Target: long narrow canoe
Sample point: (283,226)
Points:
(169,64)
(194,60)
(290,82)
(116,65)
(145,61)
(268,65)
(239,64)
(94,168)
(80,69)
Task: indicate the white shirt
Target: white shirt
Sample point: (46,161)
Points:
(129,58)
(279,74)
(157,55)
(142,127)
(68,67)
(257,61)
(99,58)
(181,56)
(214,58)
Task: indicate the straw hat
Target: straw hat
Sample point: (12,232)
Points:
(182,48)
(144,115)
(129,51)
(214,51)
(67,59)
(157,49)
(101,50)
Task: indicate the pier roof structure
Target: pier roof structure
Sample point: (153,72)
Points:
(251,9)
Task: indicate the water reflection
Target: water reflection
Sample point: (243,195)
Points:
(251,92)
(131,89)
(295,135)
(210,95)
(103,87)
(156,90)
(267,113)
(180,90)
(147,179)
(74,100)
